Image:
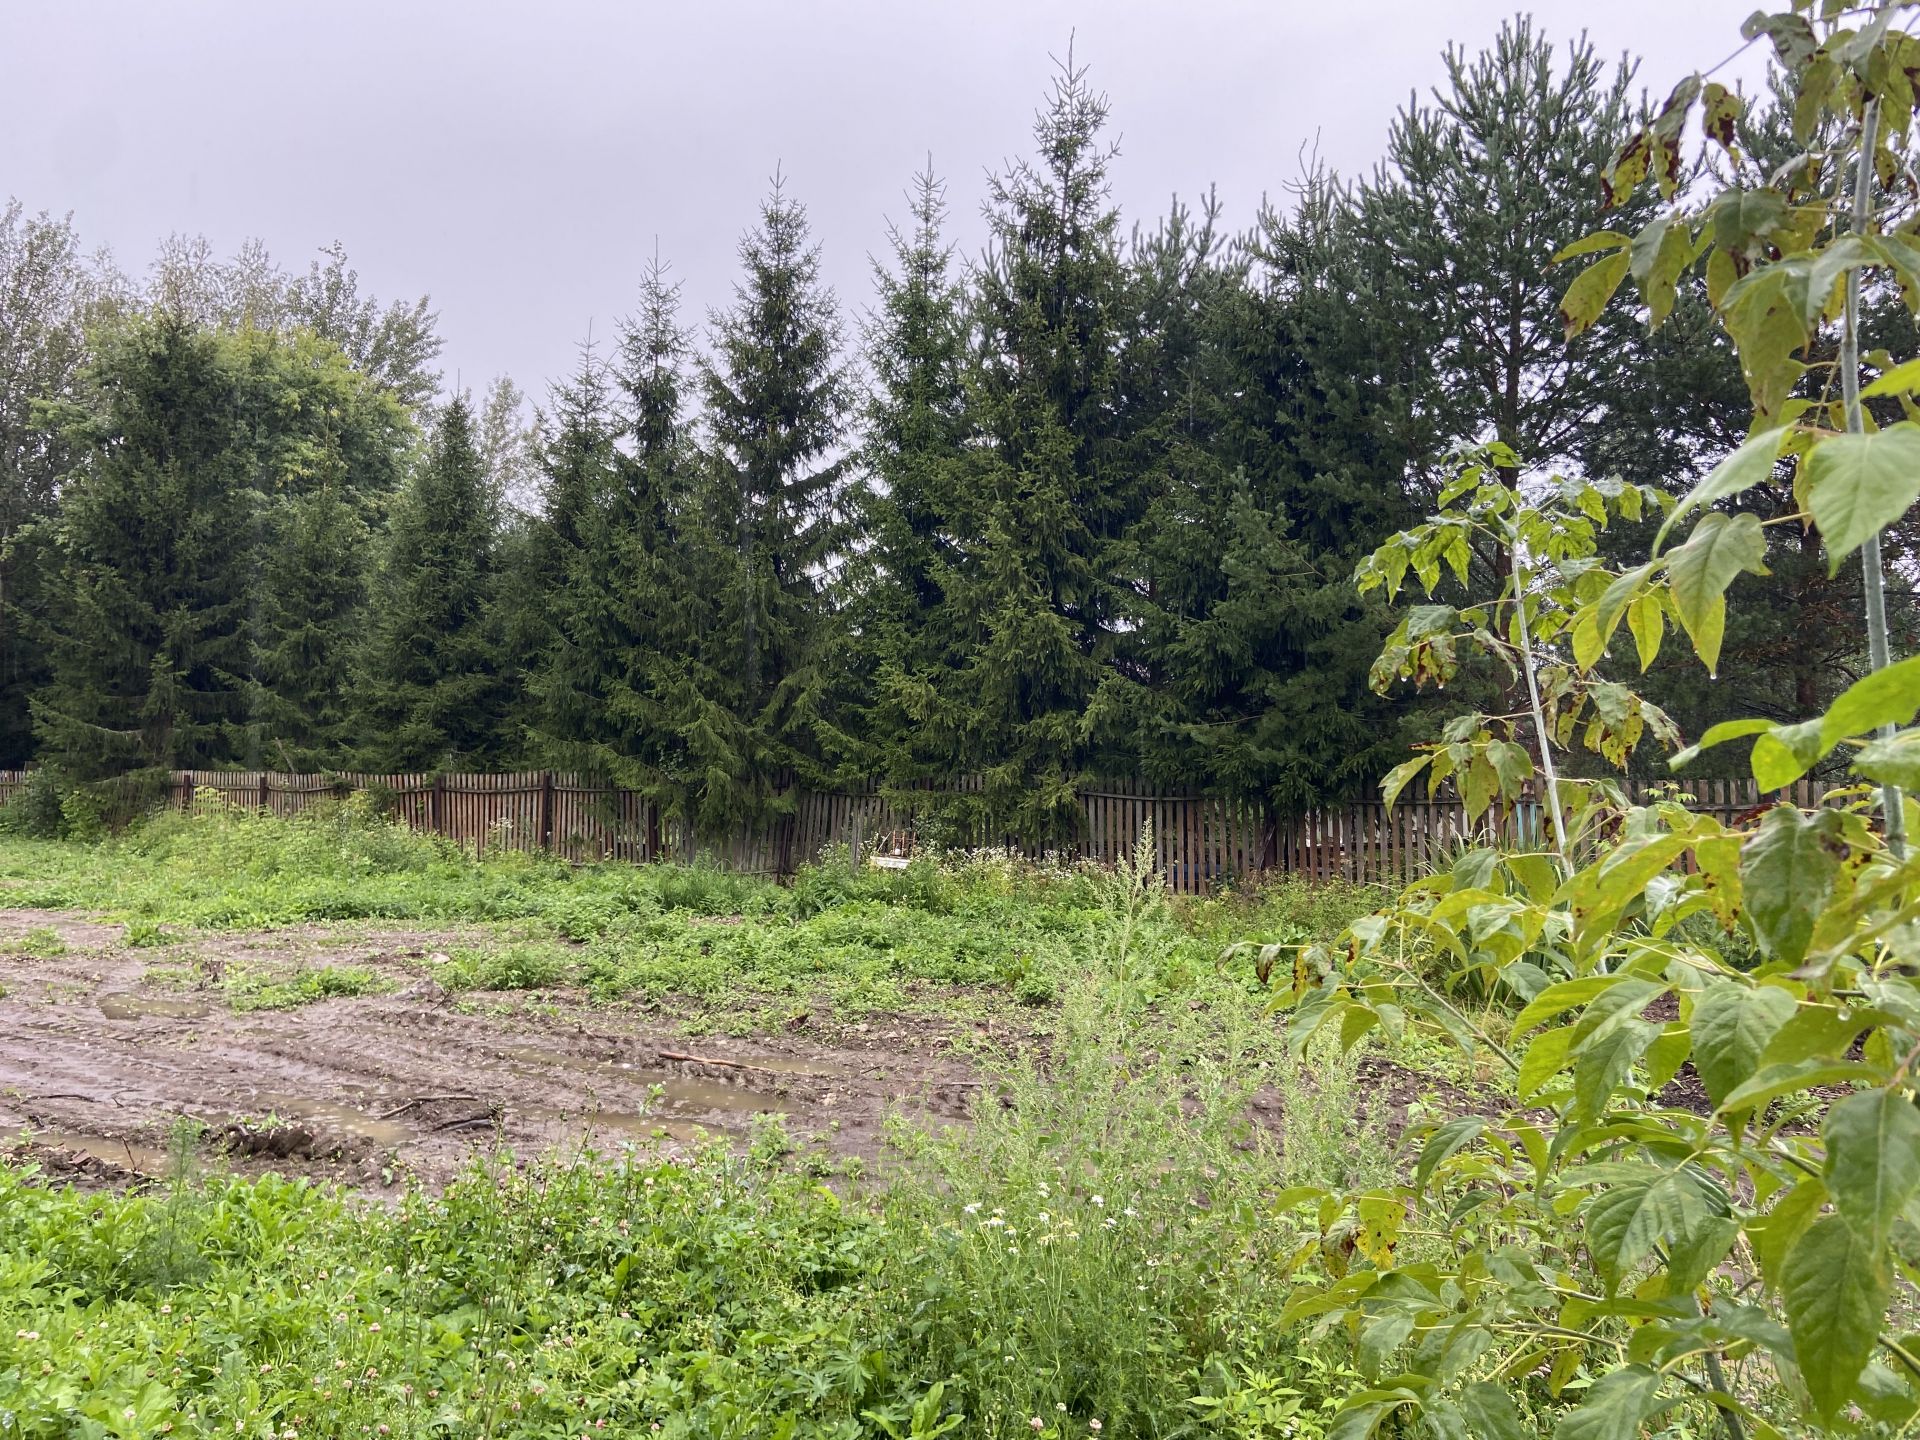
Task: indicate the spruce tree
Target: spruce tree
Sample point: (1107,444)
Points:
(778,400)
(312,592)
(432,688)
(150,648)
(329,445)
(905,647)
(1050,497)
(540,552)
(621,678)
(666,566)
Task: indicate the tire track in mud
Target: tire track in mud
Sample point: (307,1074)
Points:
(105,1062)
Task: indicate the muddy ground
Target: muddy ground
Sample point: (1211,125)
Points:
(104,1047)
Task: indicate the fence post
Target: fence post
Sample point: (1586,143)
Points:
(546,810)
(436,807)
(266,801)
(853,841)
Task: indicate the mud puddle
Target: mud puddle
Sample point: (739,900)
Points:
(594,1125)
(128,1005)
(345,1120)
(675,1091)
(147,1160)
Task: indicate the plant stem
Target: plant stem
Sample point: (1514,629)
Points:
(1871,571)
(1718,1375)
(1547,766)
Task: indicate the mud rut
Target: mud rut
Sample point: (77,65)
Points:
(98,1062)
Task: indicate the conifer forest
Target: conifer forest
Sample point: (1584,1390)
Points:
(1549,487)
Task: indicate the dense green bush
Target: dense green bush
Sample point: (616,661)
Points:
(36,811)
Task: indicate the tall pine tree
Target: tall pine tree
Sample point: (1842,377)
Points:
(778,399)
(432,689)
(907,646)
(1456,233)
(150,646)
(1051,496)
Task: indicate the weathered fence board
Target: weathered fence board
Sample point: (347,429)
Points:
(1198,840)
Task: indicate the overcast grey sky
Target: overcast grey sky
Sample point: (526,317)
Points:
(518,160)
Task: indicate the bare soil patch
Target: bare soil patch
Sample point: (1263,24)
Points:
(100,1058)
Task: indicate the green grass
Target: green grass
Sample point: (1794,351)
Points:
(1096,1254)
(1097,1246)
(255,990)
(42,942)
(879,939)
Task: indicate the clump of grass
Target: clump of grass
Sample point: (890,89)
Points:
(1103,1220)
(42,942)
(528,965)
(254,990)
(1331,1135)
(144,933)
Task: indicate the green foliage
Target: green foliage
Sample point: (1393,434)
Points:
(42,942)
(912,638)
(253,990)
(778,398)
(1050,495)
(51,292)
(1268,487)
(623,688)
(168,612)
(36,811)
(716,937)
(431,691)
(1622,1253)
(1455,237)
(513,967)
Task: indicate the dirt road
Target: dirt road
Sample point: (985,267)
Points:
(99,1060)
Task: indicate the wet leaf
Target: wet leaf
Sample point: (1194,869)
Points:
(1835,1283)
(1857,485)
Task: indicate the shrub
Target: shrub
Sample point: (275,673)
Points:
(36,811)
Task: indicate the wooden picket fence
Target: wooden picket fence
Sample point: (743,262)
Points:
(1199,841)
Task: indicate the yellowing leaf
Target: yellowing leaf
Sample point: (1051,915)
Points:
(1902,379)
(1645,620)
(1659,254)
(1785,753)
(1590,292)
(1718,735)
(1591,244)
(1887,696)
(1720,109)
(1893,761)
